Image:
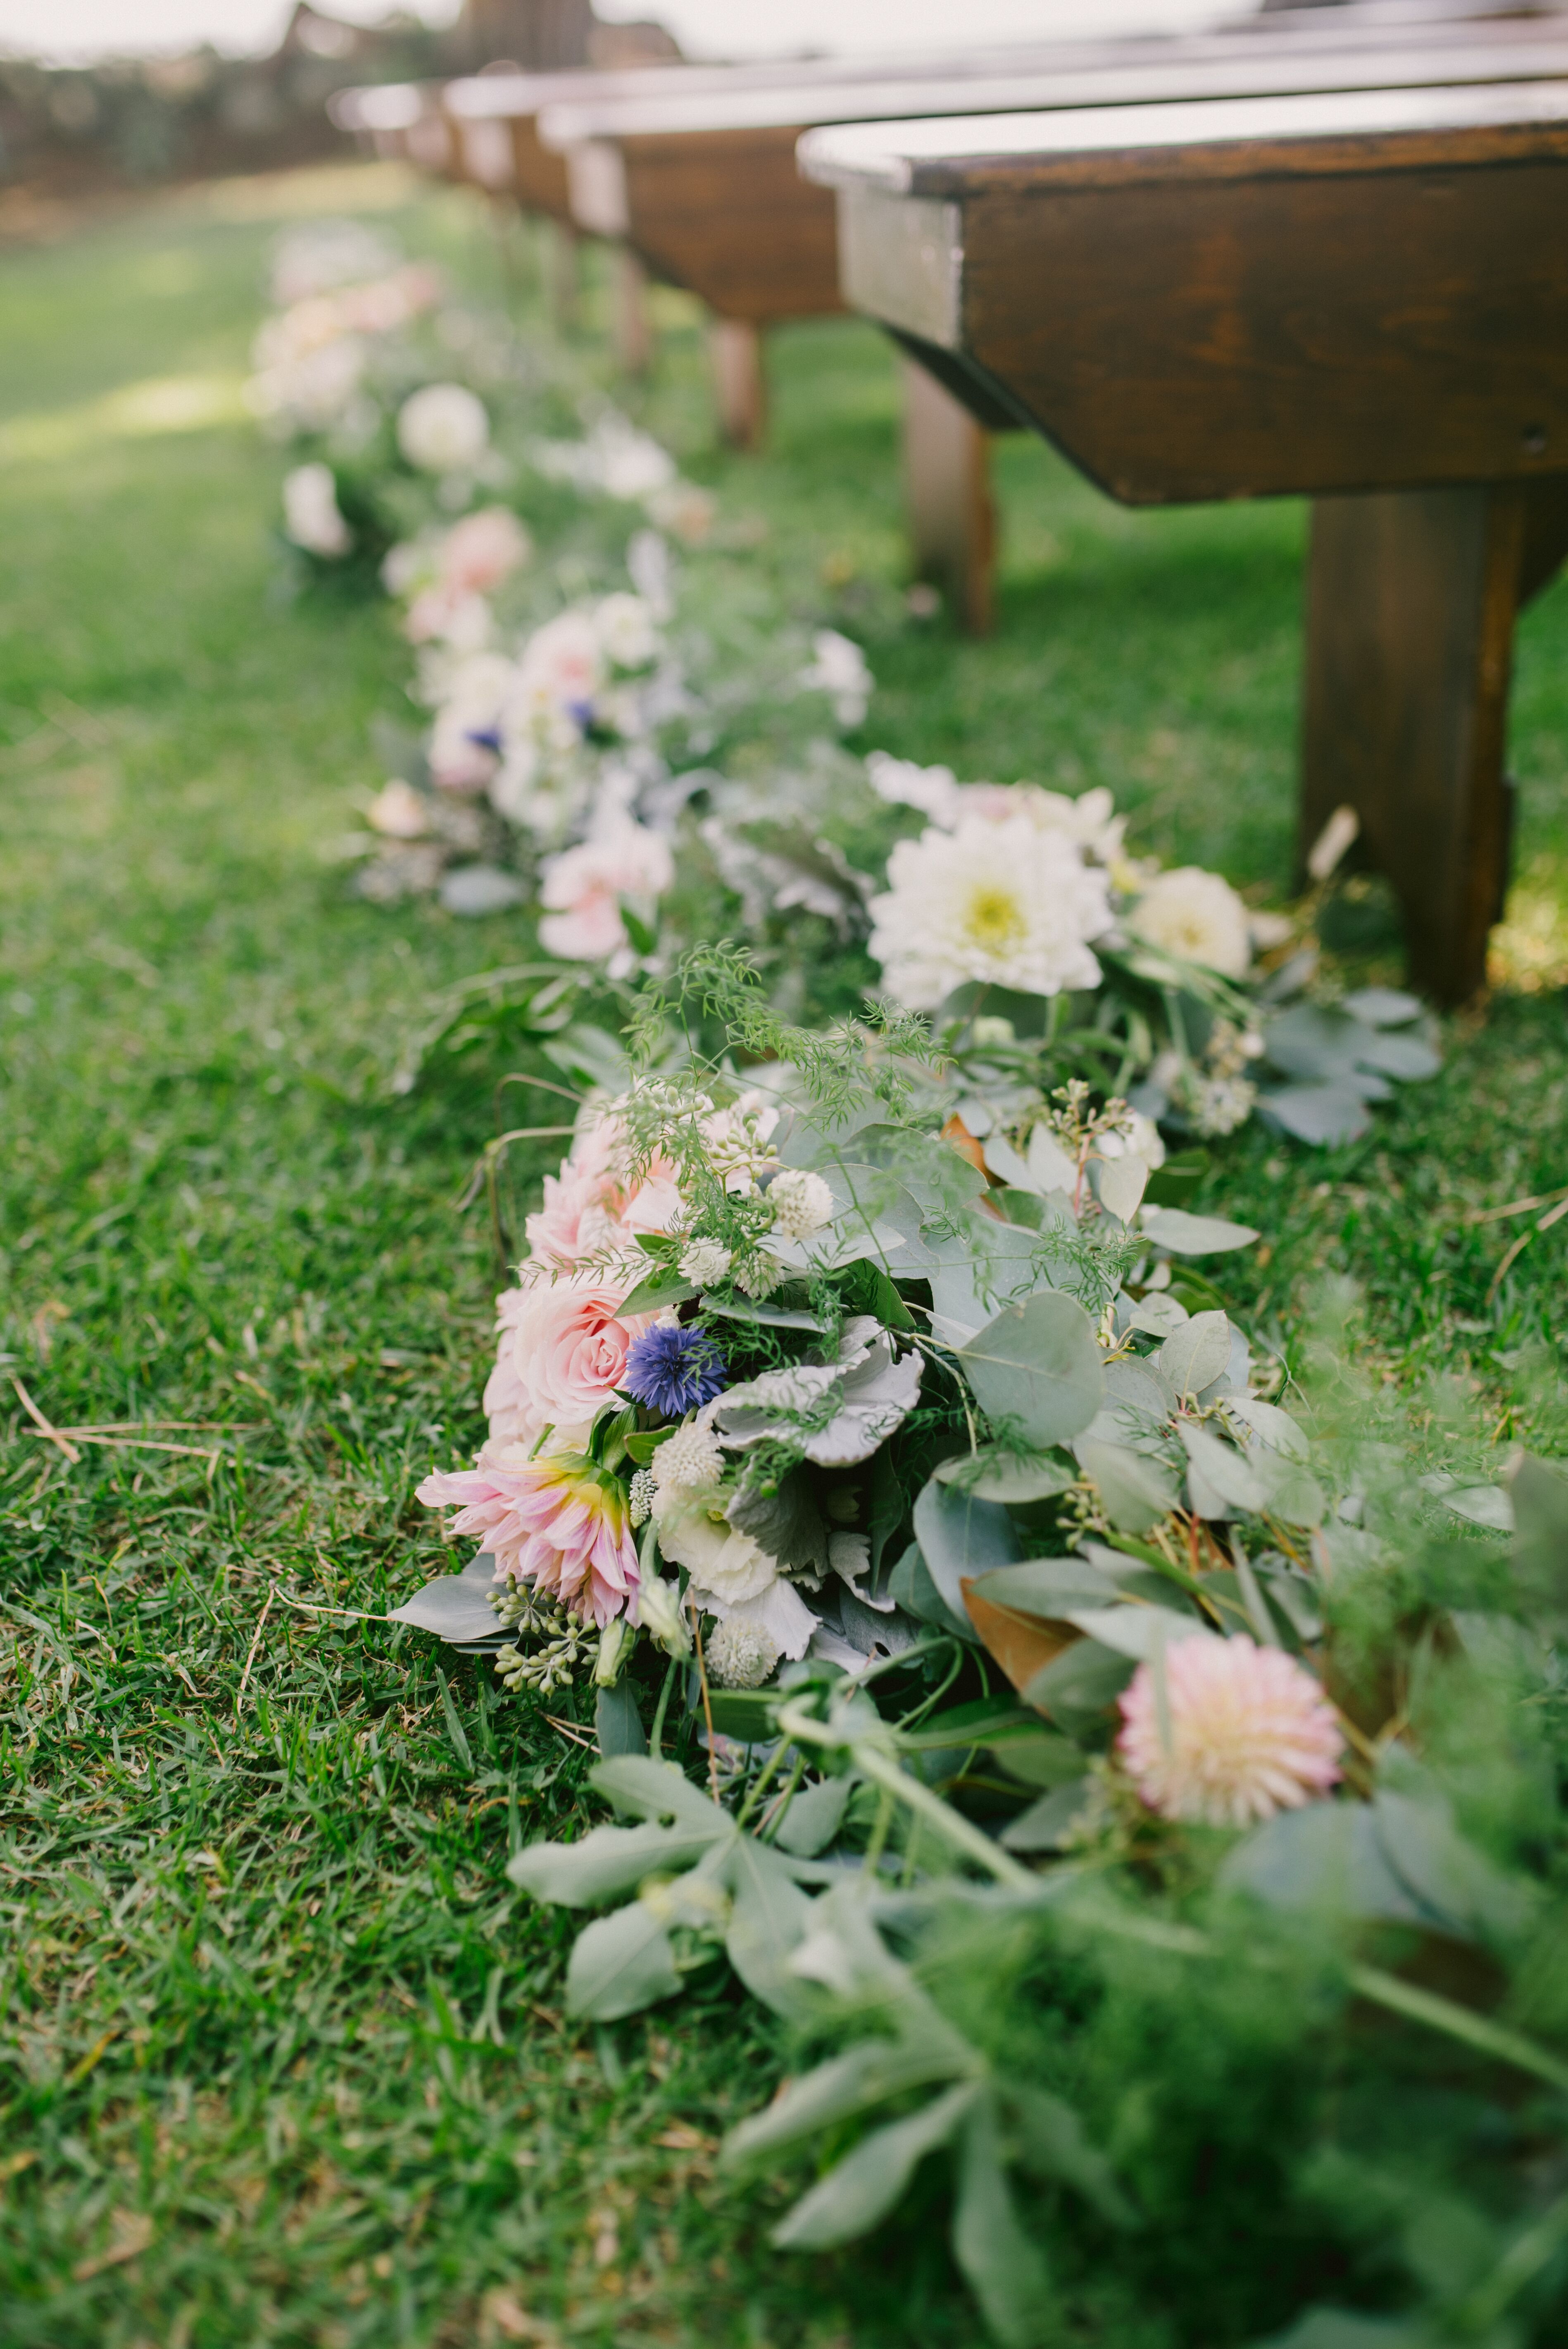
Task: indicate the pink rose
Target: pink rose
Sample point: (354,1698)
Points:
(583,889)
(482,550)
(564,1346)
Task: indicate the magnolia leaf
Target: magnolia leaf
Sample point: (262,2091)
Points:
(1188,1234)
(620,1964)
(1022,1644)
(1015,1477)
(457,1607)
(1038,1363)
(860,2191)
(1195,1355)
(960,1536)
(1136,1491)
(1052,2145)
(1005,2268)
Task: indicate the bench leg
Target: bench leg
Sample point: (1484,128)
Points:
(1411,600)
(947,490)
(740,381)
(634,329)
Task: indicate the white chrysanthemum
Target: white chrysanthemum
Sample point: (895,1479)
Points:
(1004,903)
(690,1460)
(1197,915)
(801,1203)
(740,1655)
(311,515)
(706,1261)
(1235,1734)
(443,429)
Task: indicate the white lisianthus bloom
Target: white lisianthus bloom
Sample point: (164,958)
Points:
(311,516)
(624,624)
(443,429)
(999,902)
(723,1562)
(1197,916)
(838,669)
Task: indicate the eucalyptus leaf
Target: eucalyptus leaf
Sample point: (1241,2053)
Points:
(1139,1631)
(609,1861)
(1015,1478)
(1409,1058)
(1119,1184)
(1195,1355)
(1188,1234)
(1224,1469)
(621,1964)
(839,2091)
(1383,1007)
(1038,1363)
(1047,1587)
(912,1585)
(1047,1825)
(457,1607)
(1539,1496)
(1076,1689)
(1136,1491)
(961,1536)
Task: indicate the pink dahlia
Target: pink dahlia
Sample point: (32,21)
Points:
(1243,1732)
(558,1523)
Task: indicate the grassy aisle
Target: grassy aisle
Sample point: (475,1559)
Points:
(283,2057)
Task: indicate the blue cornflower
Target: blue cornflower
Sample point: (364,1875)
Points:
(673,1371)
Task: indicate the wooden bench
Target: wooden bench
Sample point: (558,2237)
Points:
(702,183)
(1361,298)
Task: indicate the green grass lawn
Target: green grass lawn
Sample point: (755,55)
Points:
(282,2054)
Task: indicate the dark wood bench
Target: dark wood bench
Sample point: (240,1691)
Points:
(702,185)
(1361,298)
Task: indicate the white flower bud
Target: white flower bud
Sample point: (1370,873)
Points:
(615,1643)
(659,1612)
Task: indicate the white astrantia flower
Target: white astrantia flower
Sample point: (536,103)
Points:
(801,1203)
(689,1461)
(705,1261)
(741,1655)
(1197,916)
(311,515)
(1004,903)
(443,429)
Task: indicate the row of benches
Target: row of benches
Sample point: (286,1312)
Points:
(1318,253)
